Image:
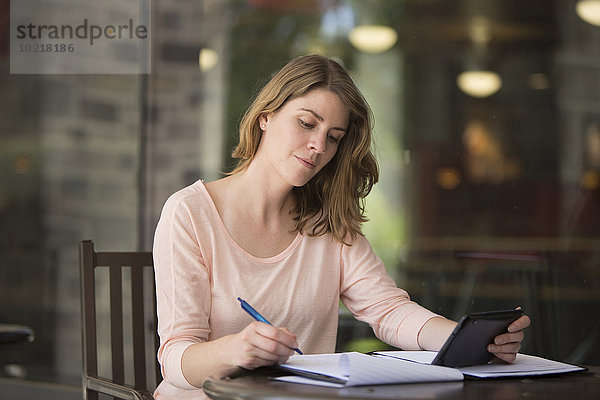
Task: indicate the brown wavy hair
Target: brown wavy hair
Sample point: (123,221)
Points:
(333,200)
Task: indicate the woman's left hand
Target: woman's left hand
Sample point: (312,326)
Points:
(507,345)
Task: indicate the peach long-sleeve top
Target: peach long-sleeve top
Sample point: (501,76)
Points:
(201,271)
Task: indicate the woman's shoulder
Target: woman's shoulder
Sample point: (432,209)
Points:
(193,194)
(356,244)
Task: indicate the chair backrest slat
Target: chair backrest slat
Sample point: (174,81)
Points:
(157,370)
(88,308)
(139,342)
(116,324)
(117,262)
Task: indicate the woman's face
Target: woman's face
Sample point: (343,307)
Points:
(300,138)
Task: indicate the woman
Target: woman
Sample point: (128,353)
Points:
(283,232)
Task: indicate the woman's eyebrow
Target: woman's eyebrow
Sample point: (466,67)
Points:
(320,118)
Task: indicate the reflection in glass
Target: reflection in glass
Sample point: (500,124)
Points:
(515,173)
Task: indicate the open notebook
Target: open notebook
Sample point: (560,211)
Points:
(393,367)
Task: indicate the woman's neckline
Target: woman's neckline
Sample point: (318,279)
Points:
(271,259)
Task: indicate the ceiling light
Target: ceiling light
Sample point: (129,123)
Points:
(373,38)
(448,177)
(479,83)
(538,81)
(589,11)
(207,59)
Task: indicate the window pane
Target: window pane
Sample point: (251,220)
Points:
(487,200)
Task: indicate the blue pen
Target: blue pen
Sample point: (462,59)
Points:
(256,315)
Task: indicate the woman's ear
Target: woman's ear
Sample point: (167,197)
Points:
(262,121)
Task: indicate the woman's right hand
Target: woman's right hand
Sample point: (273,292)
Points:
(261,344)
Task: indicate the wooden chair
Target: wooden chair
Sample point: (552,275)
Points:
(145,369)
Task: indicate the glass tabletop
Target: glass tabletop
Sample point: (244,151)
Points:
(260,385)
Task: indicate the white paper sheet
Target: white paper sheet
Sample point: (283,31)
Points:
(360,369)
(524,365)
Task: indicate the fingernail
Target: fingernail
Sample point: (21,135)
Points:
(491,348)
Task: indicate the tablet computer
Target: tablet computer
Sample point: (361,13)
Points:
(467,345)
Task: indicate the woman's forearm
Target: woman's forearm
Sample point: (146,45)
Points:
(201,360)
(435,332)
(256,345)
